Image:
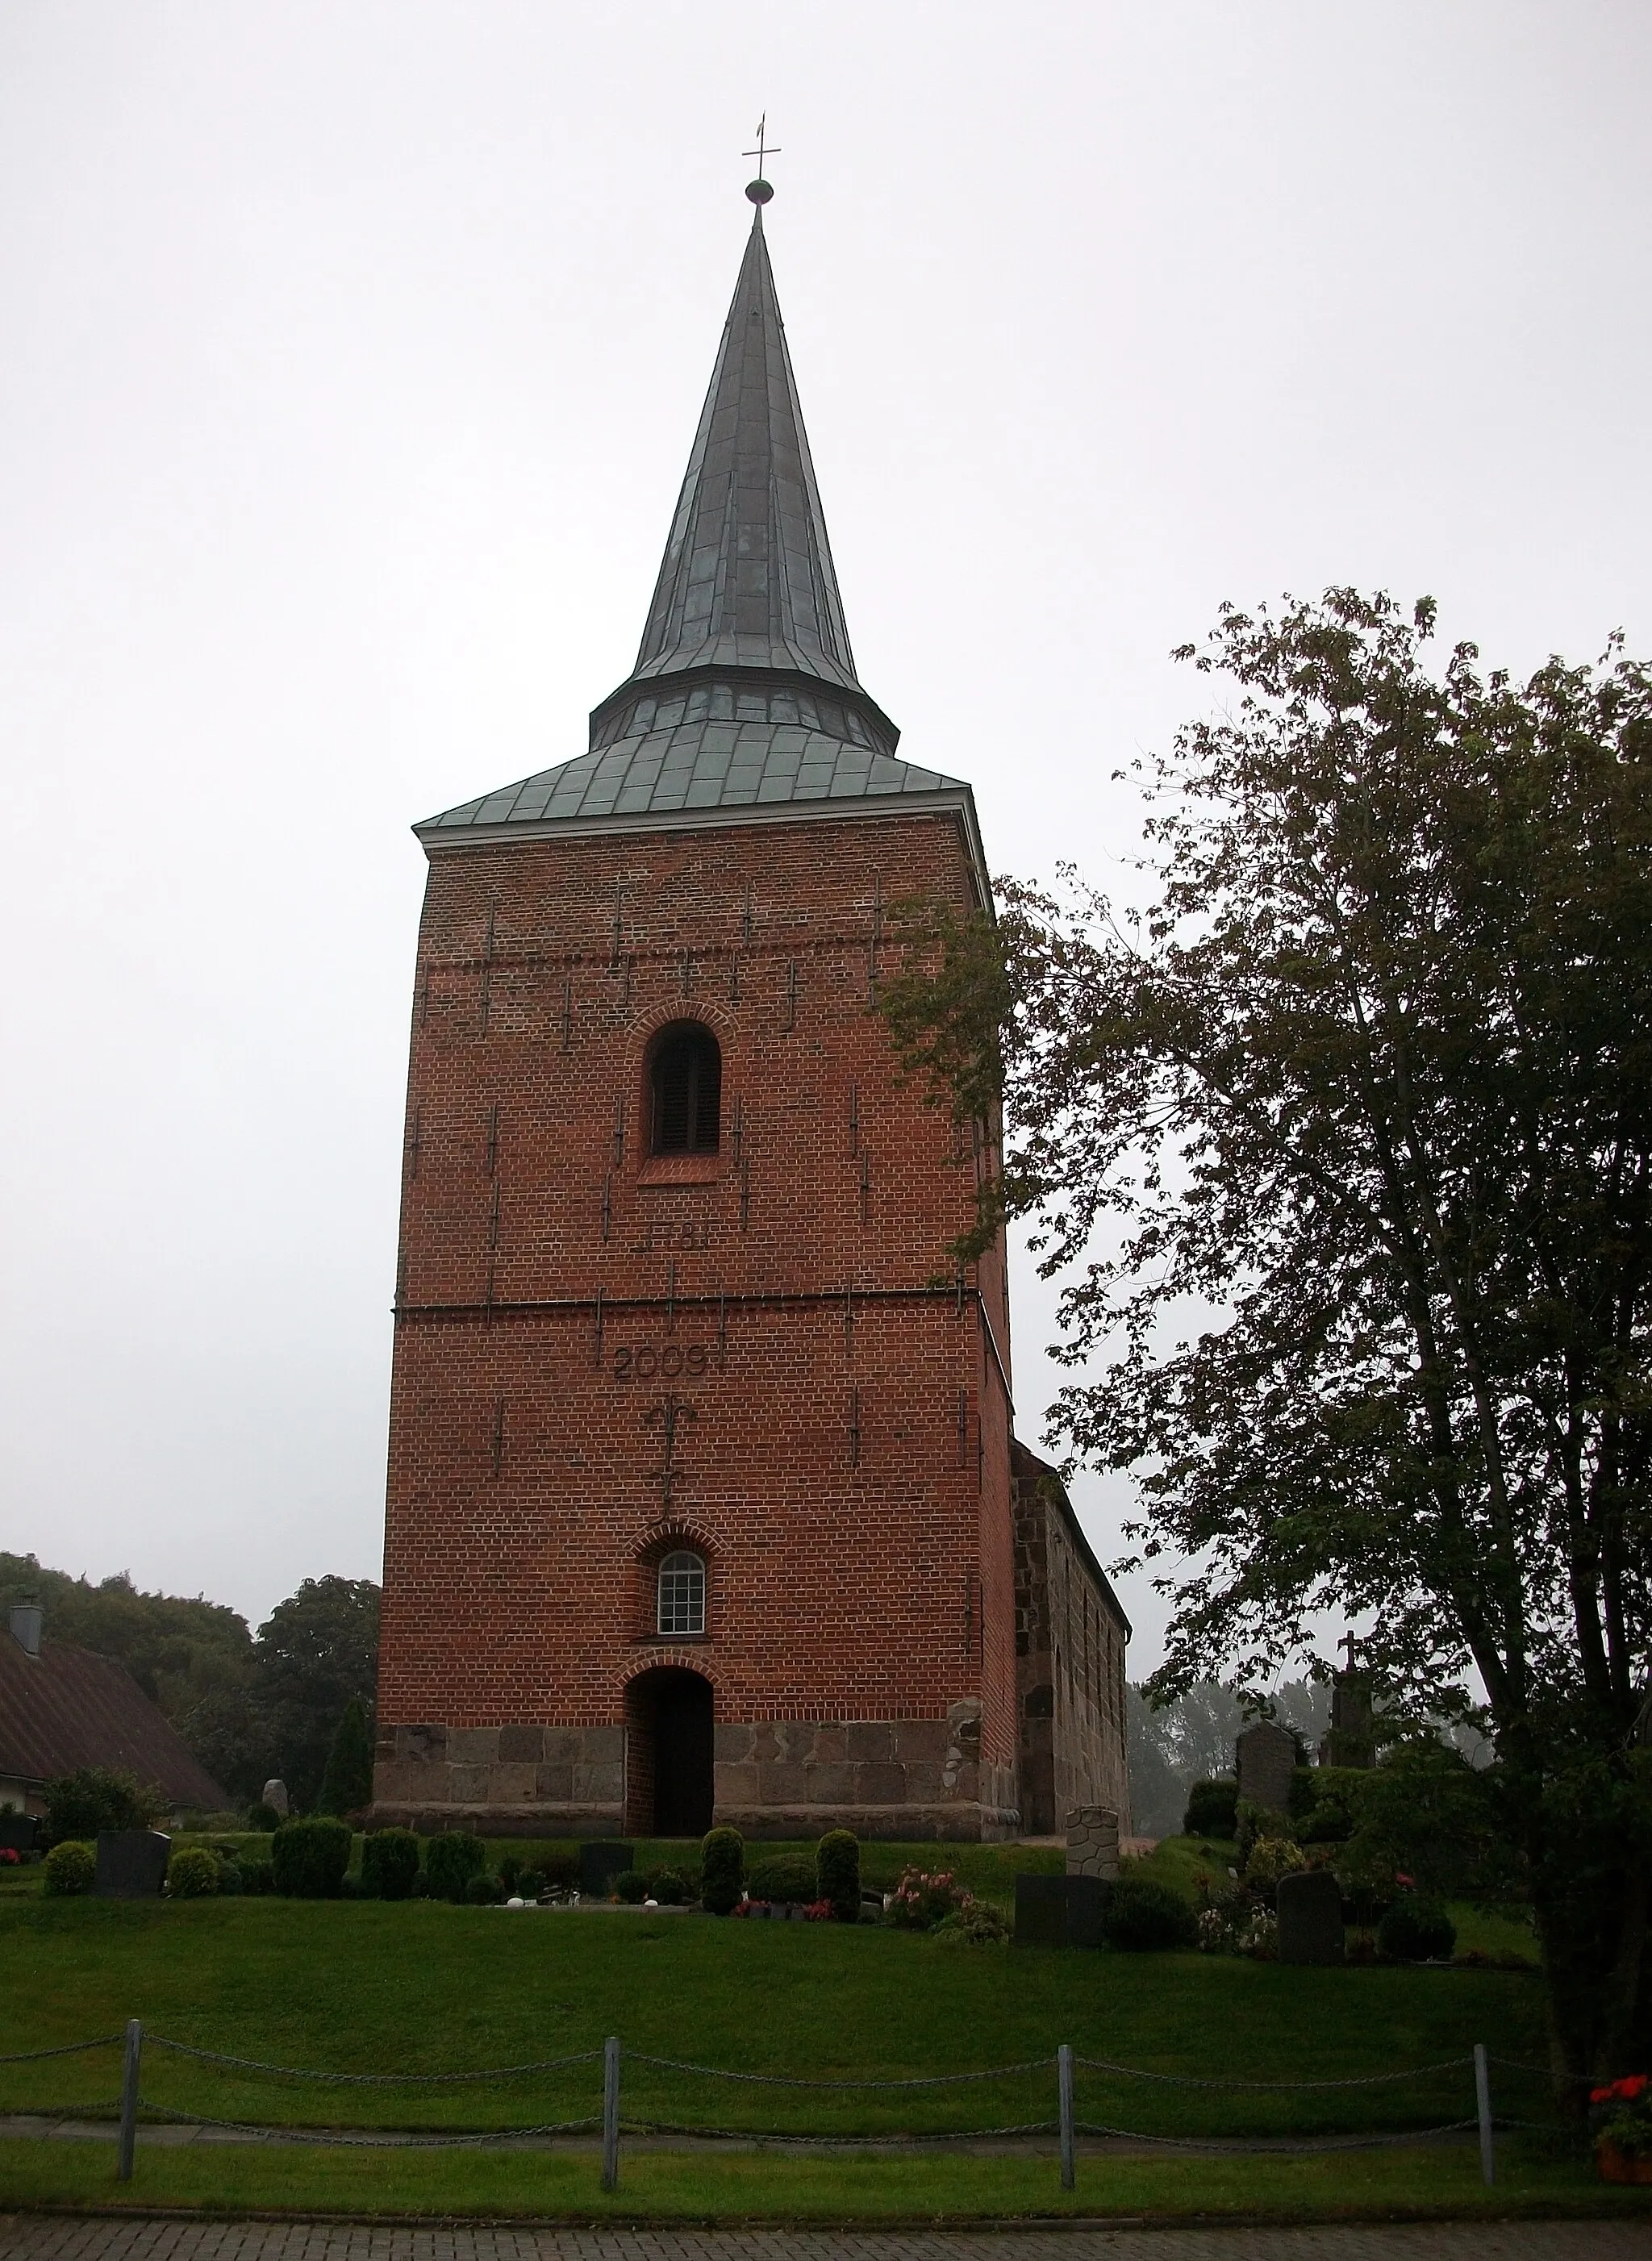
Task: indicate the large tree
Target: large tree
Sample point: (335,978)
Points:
(1340,1144)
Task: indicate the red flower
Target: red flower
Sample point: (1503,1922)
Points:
(1600,2095)
(1409,1882)
(1632,2085)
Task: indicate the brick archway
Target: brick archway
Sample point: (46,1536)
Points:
(669,1728)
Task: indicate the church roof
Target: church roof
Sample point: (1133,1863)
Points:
(745,695)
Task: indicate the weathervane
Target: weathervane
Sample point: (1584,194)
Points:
(759,190)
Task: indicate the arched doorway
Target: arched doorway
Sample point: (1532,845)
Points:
(668,1754)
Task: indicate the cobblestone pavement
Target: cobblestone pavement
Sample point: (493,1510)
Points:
(39,2237)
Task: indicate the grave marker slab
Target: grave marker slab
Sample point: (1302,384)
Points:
(600,1862)
(1310,1918)
(1266,1759)
(132,1863)
(1060,1910)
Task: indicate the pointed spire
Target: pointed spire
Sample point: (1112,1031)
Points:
(747,589)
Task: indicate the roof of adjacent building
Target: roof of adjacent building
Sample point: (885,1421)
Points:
(66,1708)
(744,696)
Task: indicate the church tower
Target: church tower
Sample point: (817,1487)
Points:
(700,1498)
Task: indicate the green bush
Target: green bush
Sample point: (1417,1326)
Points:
(1426,1813)
(531,1884)
(450,1861)
(1211,1811)
(921,1902)
(782,1876)
(264,1818)
(229,1877)
(631,1886)
(390,1861)
(1270,1859)
(193,1874)
(1145,1917)
(483,1890)
(347,1784)
(721,1869)
(257,1875)
(1417,1929)
(671,1887)
(79,1804)
(309,1858)
(979,1925)
(838,1874)
(70,1867)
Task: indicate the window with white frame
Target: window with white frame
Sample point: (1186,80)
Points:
(682,1594)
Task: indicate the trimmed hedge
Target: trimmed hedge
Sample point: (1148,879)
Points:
(1145,1918)
(390,1861)
(1212,1810)
(838,1874)
(310,1857)
(783,1876)
(450,1861)
(722,1855)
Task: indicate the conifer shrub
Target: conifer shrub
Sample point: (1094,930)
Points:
(1417,1929)
(483,1890)
(229,1875)
(838,1873)
(310,1857)
(257,1874)
(390,1861)
(1145,1917)
(71,1868)
(450,1861)
(722,1855)
(194,1874)
(1212,1810)
(346,1785)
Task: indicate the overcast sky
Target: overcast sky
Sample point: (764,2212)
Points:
(351,356)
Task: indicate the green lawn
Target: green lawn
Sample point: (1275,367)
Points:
(360,1986)
(1388,2186)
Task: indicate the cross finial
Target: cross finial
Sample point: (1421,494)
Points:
(1348,1642)
(759,190)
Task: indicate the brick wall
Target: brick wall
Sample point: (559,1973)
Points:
(836,1407)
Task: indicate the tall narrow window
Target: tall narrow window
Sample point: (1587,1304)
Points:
(686,1088)
(682,1594)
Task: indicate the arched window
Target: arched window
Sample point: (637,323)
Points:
(682,1594)
(686,1089)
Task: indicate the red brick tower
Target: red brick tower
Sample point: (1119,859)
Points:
(699,1484)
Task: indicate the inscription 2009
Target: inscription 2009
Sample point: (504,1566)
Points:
(676,1359)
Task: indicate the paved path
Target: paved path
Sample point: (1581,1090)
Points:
(42,2237)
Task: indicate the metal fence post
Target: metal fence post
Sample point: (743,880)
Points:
(129,2099)
(1064,2084)
(611,2112)
(1482,2108)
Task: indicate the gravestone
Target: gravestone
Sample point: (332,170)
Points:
(1265,1760)
(600,1863)
(1092,1842)
(16,1832)
(1060,1910)
(132,1863)
(1310,1917)
(1352,1740)
(275,1796)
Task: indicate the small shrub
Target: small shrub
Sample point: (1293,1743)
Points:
(979,1924)
(1417,1929)
(1145,1918)
(783,1876)
(510,1870)
(390,1861)
(921,1901)
(229,1877)
(1621,2114)
(264,1818)
(309,1858)
(671,1887)
(257,1875)
(531,1884)
(838,1873)
(450,1861)
(631,1886)
(483,1890)
(71,1868)
(79,1804)
(721,1871)
(1211,1809)
(193,1874)
(1272,1858)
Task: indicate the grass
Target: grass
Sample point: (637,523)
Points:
(422,1987)
(223,2179)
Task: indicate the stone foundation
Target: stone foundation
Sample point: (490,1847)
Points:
(772,1778)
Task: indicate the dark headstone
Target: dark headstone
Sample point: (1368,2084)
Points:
(1310,1916)
(1267,1760)
(16,1832)
(132,1863)
(1352,1740)
(600,1863)
(1060,1910)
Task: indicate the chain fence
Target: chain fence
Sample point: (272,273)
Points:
(1066,2126)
